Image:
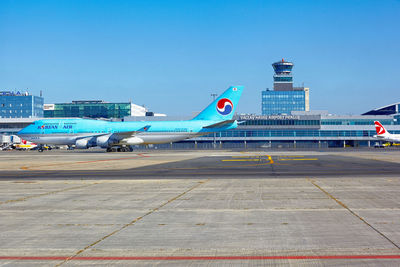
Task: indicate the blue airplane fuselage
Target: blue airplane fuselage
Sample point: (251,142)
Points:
(85,133)
(67,131)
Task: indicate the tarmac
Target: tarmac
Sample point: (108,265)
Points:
(214,208)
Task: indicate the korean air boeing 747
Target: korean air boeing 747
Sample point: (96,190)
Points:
(85,133)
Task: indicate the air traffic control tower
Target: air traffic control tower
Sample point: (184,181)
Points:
(283,78)
(284,98)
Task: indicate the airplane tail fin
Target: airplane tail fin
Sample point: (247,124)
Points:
(380,130)
(223,107)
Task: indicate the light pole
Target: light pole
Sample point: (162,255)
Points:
(214,95)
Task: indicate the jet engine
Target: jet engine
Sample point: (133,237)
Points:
(103,141)
(134,140)
(82,143)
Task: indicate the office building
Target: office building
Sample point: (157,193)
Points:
(93,109)
(20,105)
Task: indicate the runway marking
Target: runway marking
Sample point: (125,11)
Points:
(245,156)
(352,212)
(46,194)
(251,158)
(299,159)
(242,160)
(139,155)
(198,258)
(132,222)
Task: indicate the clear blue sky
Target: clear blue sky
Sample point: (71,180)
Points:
(171,55)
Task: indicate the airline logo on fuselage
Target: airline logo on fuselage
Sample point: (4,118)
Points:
(224,106)
(54,127)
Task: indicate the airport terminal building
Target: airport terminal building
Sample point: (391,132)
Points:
(299,130)
(303,131)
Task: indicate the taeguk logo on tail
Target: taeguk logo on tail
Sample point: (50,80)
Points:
(224,106)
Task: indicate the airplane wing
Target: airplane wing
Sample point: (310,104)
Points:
(119,135)
(220,124)
(122,135)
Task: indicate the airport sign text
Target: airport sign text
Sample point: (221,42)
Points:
(269,117)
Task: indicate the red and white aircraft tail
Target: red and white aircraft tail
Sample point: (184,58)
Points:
(383,134)
(380,130)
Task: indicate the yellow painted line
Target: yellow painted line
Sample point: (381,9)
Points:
(300,159)
(216,167)
(245,156)
(251,158)
(242,160)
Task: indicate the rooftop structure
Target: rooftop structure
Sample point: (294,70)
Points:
(12,93)
(391,109)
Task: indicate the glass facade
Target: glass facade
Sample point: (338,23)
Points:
(281,122)
(283,79)
(20,106)
(282,67)
(89,109)
(282,102)
(297,133)
(355,122)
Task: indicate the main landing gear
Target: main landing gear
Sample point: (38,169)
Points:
(119,149)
